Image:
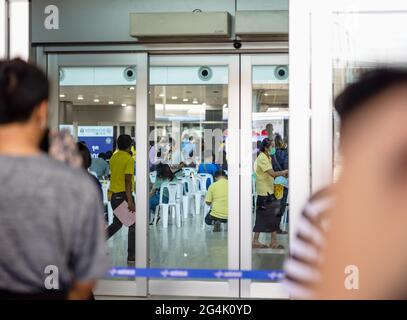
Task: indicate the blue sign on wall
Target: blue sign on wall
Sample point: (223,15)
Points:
(98,139)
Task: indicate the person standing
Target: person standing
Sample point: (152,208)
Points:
(267,206)
(122,187)
(51,220)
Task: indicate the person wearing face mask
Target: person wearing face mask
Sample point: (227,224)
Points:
(50,216)
(267,206)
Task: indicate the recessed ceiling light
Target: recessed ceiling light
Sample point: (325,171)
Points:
(80,97)
(124,105)
(162,95)
(62,95)
(111,102)
(204,104)
(266,94)
(185,100)
(96,100)
(174,97)
(271,109)
(195,102)
(131,88)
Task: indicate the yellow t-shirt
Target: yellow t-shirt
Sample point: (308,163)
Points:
(218,196)
(264,182)
(121,163)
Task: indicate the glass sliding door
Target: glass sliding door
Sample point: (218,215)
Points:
(96,99)
(193,139)
(265,118)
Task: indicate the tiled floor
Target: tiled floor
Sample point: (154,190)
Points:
(192,247)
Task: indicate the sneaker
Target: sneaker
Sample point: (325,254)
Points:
(131,259)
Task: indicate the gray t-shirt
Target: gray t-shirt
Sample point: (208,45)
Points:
(50,215)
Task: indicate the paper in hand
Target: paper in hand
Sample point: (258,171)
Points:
(124,215)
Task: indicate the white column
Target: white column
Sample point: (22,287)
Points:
(299,97)
(19,30)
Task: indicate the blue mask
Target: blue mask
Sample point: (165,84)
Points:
(272,151)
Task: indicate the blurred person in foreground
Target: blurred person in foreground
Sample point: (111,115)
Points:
(49,217)
(351,238)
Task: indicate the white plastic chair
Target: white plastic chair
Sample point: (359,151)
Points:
(186,193)
(187,172)
(153,176)
(173,203)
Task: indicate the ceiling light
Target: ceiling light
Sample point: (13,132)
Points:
(96,100)
(111,102)
(195,101)
(185,100)
(204,104)
(124,105)
(80,97)
(174,97)
(225,105)
(131,88)
(62,95)
(162,95)
(266,94)
(273,109)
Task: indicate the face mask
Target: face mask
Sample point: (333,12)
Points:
(272,151)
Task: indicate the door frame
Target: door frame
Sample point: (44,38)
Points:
(250,289)
(137,287)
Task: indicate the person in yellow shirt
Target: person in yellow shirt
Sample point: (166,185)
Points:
(267,206)
(122,187)
(217,198)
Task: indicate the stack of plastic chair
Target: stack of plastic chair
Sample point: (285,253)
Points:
(173,204)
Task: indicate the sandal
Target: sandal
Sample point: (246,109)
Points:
(258,245)
(275,246)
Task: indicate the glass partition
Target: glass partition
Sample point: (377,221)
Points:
(270,188)
(97,105)
(188,118)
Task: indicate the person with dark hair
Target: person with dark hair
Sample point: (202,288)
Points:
(267,205)
(49,207)
(86,161)
(356,208)
(122,187)
(217,199)
(208,166)
(108,155)
(164,174)
(100,167)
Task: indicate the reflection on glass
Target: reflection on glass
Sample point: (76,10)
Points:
(188,147)
(357,49)
(270,167)
(96,105)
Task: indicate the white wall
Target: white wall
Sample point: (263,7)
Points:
(93,115)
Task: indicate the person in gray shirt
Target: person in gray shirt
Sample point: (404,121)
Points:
(52,238)
(100,167)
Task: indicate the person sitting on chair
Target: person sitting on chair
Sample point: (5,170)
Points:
(217,199)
